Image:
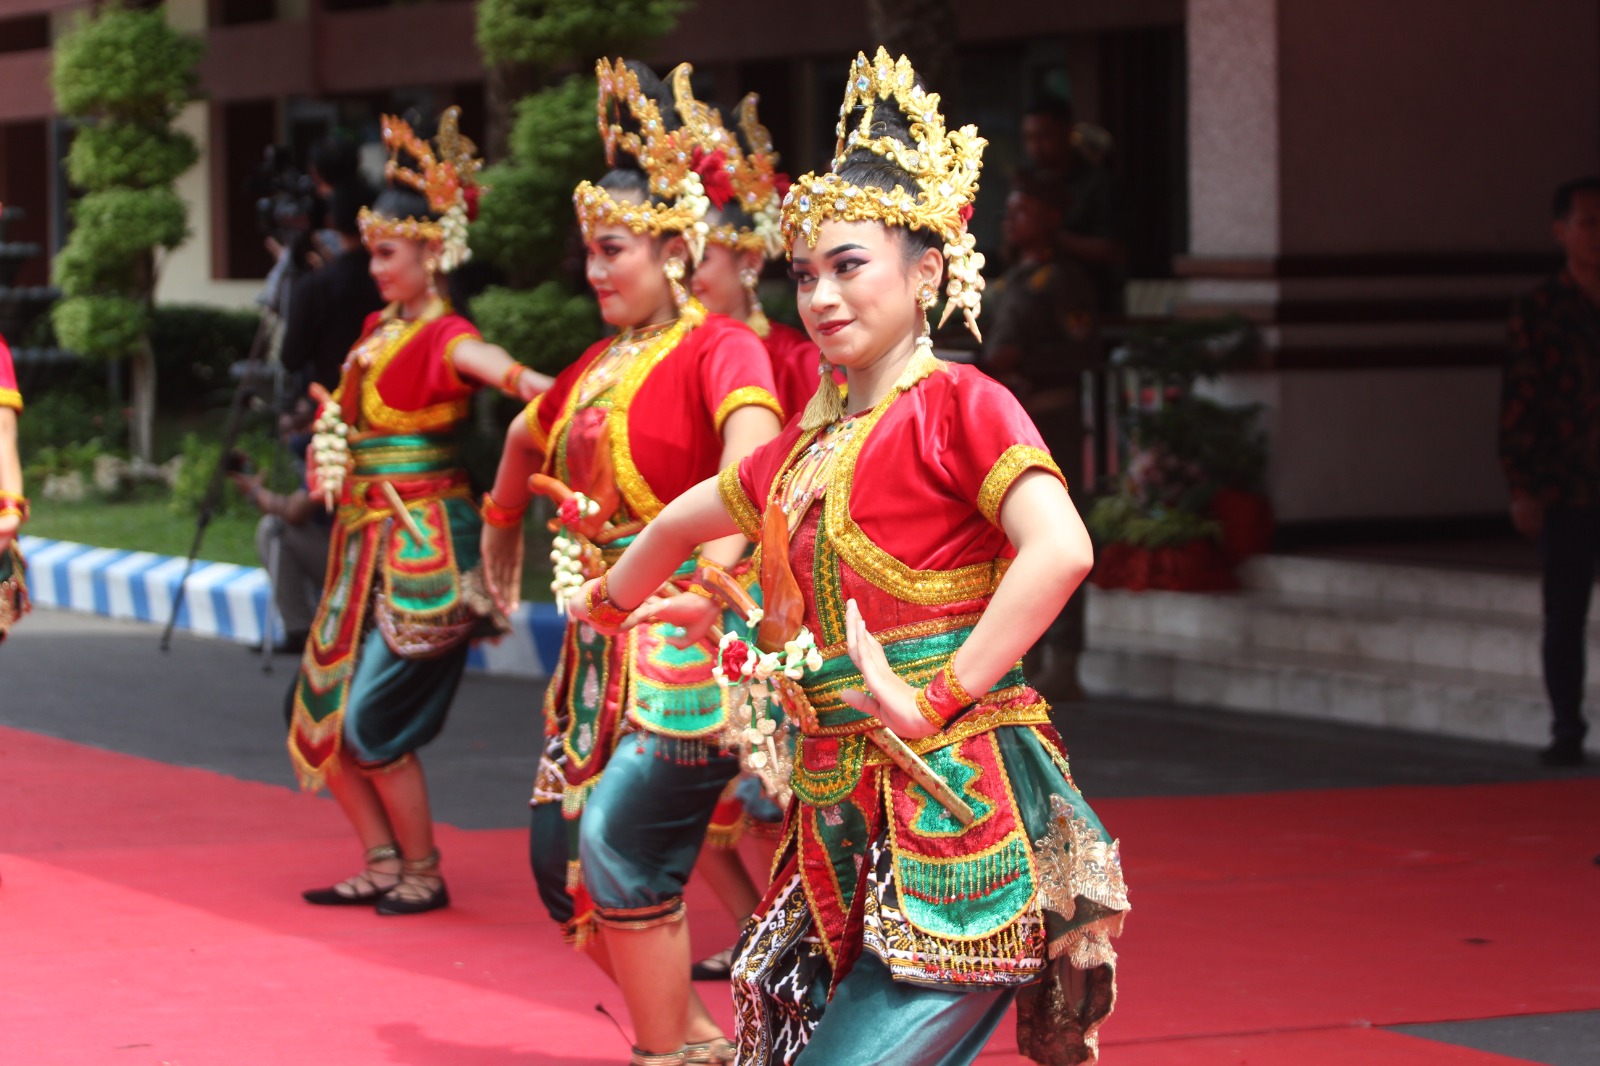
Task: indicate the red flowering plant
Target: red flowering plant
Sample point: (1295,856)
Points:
(1180,451)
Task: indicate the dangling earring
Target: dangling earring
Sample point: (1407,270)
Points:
(827,403)
(927,296)
(757,318)
(688,310)
(431,265)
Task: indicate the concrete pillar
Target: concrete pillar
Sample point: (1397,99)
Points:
(188,273)
(1233,127)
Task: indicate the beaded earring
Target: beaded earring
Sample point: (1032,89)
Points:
(757,318)
(688,310)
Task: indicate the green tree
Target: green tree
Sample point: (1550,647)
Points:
(123,76)
(544,144)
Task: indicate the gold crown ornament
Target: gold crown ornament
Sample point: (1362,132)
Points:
(757,184)
(690,170)
(945,165)
(447,177)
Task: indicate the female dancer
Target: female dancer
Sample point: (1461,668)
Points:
(635,421)
(13,504)
(403,593)
(937,858)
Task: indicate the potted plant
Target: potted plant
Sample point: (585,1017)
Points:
(1190,504)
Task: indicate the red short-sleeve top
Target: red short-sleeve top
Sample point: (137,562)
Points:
(914,502)
(794,367)
(667,409)
(410,384)
(9,394)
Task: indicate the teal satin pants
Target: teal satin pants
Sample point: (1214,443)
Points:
(876,1021)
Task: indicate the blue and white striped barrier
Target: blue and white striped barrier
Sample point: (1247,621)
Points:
(230,602)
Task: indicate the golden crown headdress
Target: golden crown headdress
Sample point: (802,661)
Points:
(446,176)
(689,169)
(759,184)
(945,165)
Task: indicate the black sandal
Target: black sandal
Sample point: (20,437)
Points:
(420,890)
(365,887)
(718,967)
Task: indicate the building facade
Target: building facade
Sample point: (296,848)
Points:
(1367,179)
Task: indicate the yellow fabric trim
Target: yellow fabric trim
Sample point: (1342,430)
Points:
(536,433)
(641,499)
(450,359)
(377,414)
(746,396)
(11,398)
(923,587)
(1004,473)
(737,502)
(982,720)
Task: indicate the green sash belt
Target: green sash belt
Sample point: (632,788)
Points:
(405,455)
(914,659)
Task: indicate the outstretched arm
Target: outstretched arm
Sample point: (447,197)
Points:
(696,517)
(491,365)
(1054,555)
(745,430)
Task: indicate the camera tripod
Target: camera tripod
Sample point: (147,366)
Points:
(256,378)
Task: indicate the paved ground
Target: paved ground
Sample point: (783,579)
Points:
(208,704)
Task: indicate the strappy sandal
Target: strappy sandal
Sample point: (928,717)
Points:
(368,886)
(716,1050)
(421,888)
(650,1058)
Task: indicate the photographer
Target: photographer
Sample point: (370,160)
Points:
(297,526)
(328,306)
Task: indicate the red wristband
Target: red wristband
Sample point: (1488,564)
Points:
(603,612)
(500,517)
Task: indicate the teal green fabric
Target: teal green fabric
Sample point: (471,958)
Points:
(547,856)
(874,1020)
(644,822)
(397,705)
(386,456)
(1036,775)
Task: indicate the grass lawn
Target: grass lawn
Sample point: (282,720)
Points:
(153,525)
(150,525)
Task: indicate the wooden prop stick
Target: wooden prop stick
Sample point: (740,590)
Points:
(918,770)
(398,506)
(891,744)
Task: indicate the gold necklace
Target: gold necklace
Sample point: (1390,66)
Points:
(808,479)
(605,371)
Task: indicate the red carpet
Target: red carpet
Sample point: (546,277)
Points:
(150,914)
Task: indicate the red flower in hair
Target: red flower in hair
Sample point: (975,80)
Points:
(713,170)
(966,213)
(470,194)
(781,182)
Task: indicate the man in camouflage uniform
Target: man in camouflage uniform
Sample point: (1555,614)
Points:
(1040,335)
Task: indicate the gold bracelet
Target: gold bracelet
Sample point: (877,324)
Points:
(14,503)
(926,709)
(954,686)
(510,379)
